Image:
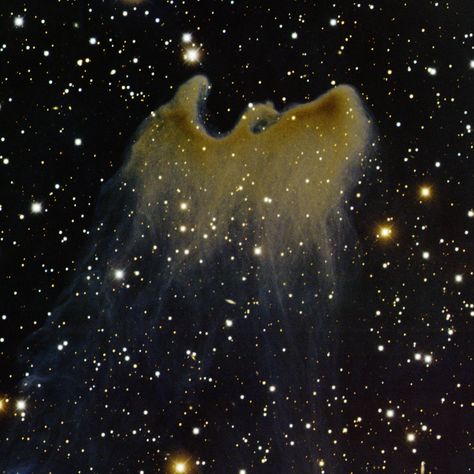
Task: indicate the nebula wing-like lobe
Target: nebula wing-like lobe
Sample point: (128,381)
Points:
(198,326)
(276,172)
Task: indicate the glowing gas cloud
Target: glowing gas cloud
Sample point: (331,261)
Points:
(275,176)
(199,320)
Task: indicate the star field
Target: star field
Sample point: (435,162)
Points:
(390,385)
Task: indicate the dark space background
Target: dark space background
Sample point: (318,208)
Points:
(93,70)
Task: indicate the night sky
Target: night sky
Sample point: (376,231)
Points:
(391,358)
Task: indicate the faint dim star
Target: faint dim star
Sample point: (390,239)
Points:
(132,2)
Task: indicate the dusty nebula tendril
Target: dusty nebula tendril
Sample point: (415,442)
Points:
(206,294)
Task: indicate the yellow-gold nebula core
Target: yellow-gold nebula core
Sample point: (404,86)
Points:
(275,177)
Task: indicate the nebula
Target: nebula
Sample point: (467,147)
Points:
(273,175)
(198,320)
